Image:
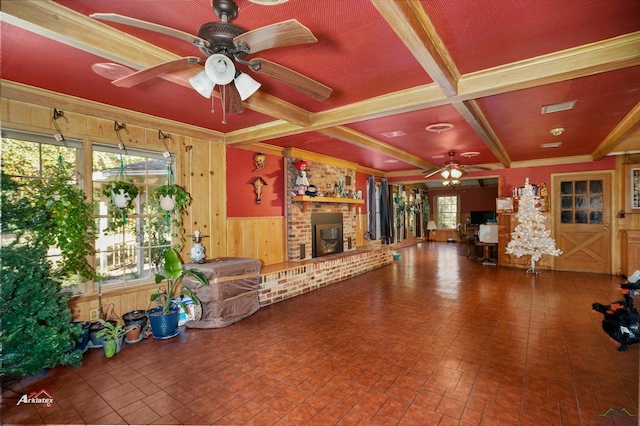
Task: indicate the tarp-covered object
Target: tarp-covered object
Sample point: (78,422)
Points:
(232,293)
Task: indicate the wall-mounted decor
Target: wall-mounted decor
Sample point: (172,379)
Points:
(632,187)
(259,161)
(258,183)
(504,205)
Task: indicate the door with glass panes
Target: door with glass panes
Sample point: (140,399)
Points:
(582,218)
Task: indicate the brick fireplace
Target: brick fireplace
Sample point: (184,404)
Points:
(300,229)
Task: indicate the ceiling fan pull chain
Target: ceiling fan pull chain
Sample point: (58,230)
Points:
(223,93)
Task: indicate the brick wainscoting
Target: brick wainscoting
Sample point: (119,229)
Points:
(320,272)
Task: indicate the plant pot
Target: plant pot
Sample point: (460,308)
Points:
(167,203)
(163,326)
(134,334)
(84,335)
(135,317)
(105,346)
(93,330)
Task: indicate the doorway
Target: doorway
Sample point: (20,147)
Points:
(582,212)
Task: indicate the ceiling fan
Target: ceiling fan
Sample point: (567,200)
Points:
(452,170)
(224,44)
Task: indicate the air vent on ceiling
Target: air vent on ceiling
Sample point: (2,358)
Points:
(470,154)
(390,160)
(394,134)
(439,127)
(551,145)
(548,109)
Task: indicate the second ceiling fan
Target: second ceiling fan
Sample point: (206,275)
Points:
(225,44)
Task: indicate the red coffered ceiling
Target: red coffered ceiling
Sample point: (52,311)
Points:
(485,67)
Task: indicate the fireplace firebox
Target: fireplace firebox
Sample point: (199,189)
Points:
(327,234)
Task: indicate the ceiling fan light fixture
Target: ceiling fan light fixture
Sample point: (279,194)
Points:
(246,85)
(220,69)
(456,173)
(451,183)
(202,84)
(445,173)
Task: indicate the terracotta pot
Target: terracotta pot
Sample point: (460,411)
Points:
(134,332)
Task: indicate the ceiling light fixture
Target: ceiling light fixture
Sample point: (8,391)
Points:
(557,131)
(563,106)
(451,183)
(439,127)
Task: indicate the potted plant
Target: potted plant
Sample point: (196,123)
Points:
(133,333)
(173,198)
(164,318)
(112,335)
(122,194)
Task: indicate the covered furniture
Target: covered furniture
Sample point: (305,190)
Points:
(232,293)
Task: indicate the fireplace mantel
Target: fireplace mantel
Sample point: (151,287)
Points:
(306,200)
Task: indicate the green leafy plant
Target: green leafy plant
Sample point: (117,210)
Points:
(181,199)
(111,333)
(119,215)
(70,225)
(174,272)
(36,331)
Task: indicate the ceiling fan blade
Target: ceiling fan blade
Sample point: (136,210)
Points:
(285,33)
(434,172)
(154,71)
(231,99)
(293,78)
(138,23)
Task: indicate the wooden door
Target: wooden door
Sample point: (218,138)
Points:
(582,217)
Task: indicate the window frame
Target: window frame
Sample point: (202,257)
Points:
(437,202)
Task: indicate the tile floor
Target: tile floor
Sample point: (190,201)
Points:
(433,338)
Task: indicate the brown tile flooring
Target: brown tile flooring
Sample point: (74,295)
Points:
(434,338)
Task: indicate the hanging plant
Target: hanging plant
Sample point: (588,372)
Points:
(122,194)
(173,198)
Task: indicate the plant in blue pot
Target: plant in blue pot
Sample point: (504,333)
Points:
(164,318)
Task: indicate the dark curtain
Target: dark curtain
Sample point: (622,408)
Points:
(385,213)
(371,209)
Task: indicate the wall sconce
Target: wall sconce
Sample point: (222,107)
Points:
(258,183)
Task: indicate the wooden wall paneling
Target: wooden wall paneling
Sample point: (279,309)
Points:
(361,227)
(32,115)
(195,179)
(217,196)
(235,236)
(271,231)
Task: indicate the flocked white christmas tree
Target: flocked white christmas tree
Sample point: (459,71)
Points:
(531,236)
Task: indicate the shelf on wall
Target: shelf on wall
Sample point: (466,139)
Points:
(306,200)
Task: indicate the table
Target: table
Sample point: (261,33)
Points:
(486,251)
(232,293)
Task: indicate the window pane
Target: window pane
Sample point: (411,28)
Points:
(581,216)
(595,187)
(566,188)
(566,216)
(595,202)
(581,187)
(581,202)
(566,202)
(595,217)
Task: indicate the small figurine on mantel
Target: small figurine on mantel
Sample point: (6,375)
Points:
(301,182)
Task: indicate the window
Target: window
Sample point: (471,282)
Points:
(28,158)
(135,251)
(447,211)
(581,201)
